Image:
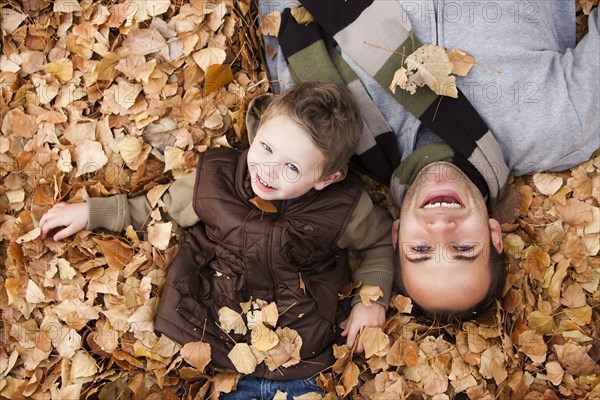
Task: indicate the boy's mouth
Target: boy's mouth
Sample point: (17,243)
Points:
(263,184)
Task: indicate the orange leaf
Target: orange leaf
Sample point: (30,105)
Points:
(217,76)
(197,354)
(117,254)
(263,205)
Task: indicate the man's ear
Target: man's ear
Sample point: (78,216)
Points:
(496,235)
(328,180)
(395,228)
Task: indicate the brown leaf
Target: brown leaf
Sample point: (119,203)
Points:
(575,213)
(541,323)
(287,351)
(533,345)
(117,254)
(575,359)
(403,304)
(263,205)
(347,290)
(263,338)
(580,183)
(197,354)
(554,372)
(90,157)
(349,377)
(216,77)
(573,296)
(159,234)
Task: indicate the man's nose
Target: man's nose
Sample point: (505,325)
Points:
(441,225)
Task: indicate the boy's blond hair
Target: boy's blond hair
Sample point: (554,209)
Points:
(330,116)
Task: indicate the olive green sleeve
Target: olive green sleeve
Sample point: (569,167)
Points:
(369,232)
(115,213)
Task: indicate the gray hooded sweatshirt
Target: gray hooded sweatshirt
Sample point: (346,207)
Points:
(536,89)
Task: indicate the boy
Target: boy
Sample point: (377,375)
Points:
(287,253)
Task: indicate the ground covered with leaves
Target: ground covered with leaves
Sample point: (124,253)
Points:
(106,97)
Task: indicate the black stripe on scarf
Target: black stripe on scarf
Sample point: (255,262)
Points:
(334,18)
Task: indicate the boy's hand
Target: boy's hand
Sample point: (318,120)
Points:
(74,217)
(361,315)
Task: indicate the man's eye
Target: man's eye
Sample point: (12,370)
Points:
(267,148)
(293,168)
(463,248)
(420,248)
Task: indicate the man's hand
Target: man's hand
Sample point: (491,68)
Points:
(74,217)
(361,315)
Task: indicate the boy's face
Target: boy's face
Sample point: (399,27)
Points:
(443,238)
(283,161)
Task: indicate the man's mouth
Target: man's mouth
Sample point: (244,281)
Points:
(447,200)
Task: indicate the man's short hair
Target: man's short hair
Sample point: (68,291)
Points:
(497,278)
(328,113)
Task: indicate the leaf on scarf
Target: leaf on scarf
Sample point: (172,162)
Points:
(263,205)
(197,354)
(369,293)
(301,15)
(400,79)
(428,65)
(270,23)
(231,320)
(242,358)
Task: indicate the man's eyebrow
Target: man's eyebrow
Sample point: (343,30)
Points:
(458,257)
(418,259)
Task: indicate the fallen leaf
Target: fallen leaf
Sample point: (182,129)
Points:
(82,365)
(159,234)
(197,354)
(269,26)
(369,293)
(242,358)
(209,56)
(263,205)
(575,213)
(374,340)
(263,338)
(301,15)
(554,372)
(461,62)
(547,184)
(575,359)
(270,314)
(90,157)
(533,345)
(216,77)
(231,320)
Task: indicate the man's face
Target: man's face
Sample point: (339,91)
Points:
(443,239)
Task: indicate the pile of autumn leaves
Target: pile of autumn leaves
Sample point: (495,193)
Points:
(101,98)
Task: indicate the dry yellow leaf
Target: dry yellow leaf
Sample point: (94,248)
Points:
(130,149)
(62,69)
(263,338)
(174,158)
(575,359)
(492,364)
(302,16)
(580,183)
(82,365)
(159,234)
(573,296)
(541,323)
(29,236)
(34,294)
(90,157)
(369,293)
(270,314)
(231,320)
(403,304)
(117,254)
(209,56)
(349,377)
(374,340)
(270,23)
(514,245)
(461,62)
(429,65)
(581,316)
(547,184)
(242,358)
(554,372)
(287,351)
(197,354)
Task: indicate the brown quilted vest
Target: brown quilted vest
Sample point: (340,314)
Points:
(237,253)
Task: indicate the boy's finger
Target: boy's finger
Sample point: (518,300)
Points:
(68,231)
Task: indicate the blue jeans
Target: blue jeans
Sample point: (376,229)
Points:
(250,387)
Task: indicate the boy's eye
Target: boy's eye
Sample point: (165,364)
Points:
(420,248)
(293,167)
(463,248)
(267,148)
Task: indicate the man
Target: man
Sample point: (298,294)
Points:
(532,86)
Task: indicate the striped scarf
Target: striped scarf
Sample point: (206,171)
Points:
(377,36)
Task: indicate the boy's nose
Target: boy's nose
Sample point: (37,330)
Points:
(441,225)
